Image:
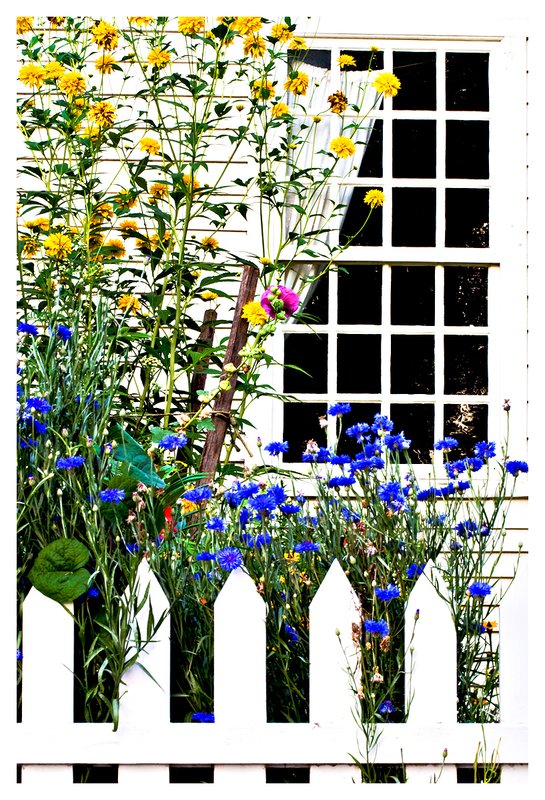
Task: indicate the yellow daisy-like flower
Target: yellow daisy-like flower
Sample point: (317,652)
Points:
(279,110)
(291,557)
(317,118)
(387,84)
(254,313)
(128,227)
(96,240)
(190,182)
(207,295)
(298,84)
(298,43)
(54,70)
(142,22)
(117,248)
(91,132)
(159,58)
(105,64)
(39,224)
(374,48)
(32,75)
(150,145)
(264,260)
(281,32)
(245,25)
(103,113)
(338,102)
(58,245)
(72,83)
(374,198)
(158,191)
(190,25)
(187,506)
(125,200)
(262,89)
(254,45)
(128,302)
(102,212)
(490,625)
(346,61)
(24,24)
(30,246)
(56,22)
(105,35)
(342,146)
(210,243)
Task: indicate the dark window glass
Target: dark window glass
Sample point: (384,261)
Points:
(416,72)
(466,296)
(309,353)
(414,148)
(467,423)
(356,215)
(365,59)
(358,363)
(413,217)
(361,412)
(416,422)
(467,82)
(466,212)
(412,365)
(183,774)
(466,365)
(287,774)
(371,163)
(467,149)
(316,306)
(314,58)
(301,423)
(413,295)
(360,295)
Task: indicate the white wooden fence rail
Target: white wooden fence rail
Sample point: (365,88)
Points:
(240,744)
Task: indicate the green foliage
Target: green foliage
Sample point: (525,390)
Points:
(58,571)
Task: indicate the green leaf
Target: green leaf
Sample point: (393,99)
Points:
(58,571)
(140,465)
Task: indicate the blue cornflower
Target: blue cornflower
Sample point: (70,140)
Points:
(19,654)
(256,541)
(338,409)
(426,494)
(339,460)
(454,468)
(240,492)
(448,443)
(64,333)
(454,545)
(229,558)
(308,519)
(276,448)
(382,424)
(466,528)
(216,524)
(391,494)
(244,517)
(321,456)
(39,428)
(377,627)
(38,404)
(358,431)
(292,634)
(205,556)
(171,441)
(112,495)
(485,450)
(20,391)
(515,467)
(479,589)
(198,495)
(374,462)
(349,515)
(306,547)
(414,569)
(265,502)
(474,464)
(341,480)
(93,591)
(387,707)
(396,441)
(445,491)
(461,486)
(70,462)
(132,547)
(26,327)
(202,716)
(289,508)
(387,594)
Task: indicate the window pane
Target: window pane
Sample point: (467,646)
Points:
(413,295)
(361,412)
(412,365)
(466,212)
(467,149)
(309,353)
(413,217)
(416,421)
(301,423)
(466,365)
(365,59)
(358,363)
(467,423)
(316,305)
(466,296)
(371,163)
(356,214)
(414,148)
(416,71)
(467,82)
(314,58)
(360,289)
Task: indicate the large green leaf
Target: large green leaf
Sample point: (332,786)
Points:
(58,571)
(140,465)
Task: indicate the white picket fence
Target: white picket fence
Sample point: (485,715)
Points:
(240,744)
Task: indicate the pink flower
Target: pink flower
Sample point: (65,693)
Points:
(288,297)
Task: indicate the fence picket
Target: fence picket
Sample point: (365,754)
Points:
(513,627)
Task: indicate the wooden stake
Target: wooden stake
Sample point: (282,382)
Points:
(205,341)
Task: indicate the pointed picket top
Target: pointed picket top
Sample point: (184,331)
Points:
(48,660)
(239,652)
(335,632)
(145,695)
(513,627)
(431,681)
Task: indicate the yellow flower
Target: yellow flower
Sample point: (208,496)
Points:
(187,506)
(128,302)
(96,240)
(254,45)
(54,70)
(24,24)
(338,102)
(210,243)
(103,113)
(91,132)
(40,224)
(207,295)
(262,89)
(245,25)
(291,557)
(298,84)
(374,48)
(127,227)
(279,109)
(58,245)
(102,212)
(190,25)
(30,246)
(342,146)
(159,58)
(32,75)
(490,625)
(316,118)
(117,248)
(158,191)
(264,260)
(346,61)
(387,84)
(56,22)
(105,64)
(254,313)
(298,43)
(72,83)
(125,199)
(281,32)
(105,35)
(190,182)
(150,145)
(374,197)
(142,22)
